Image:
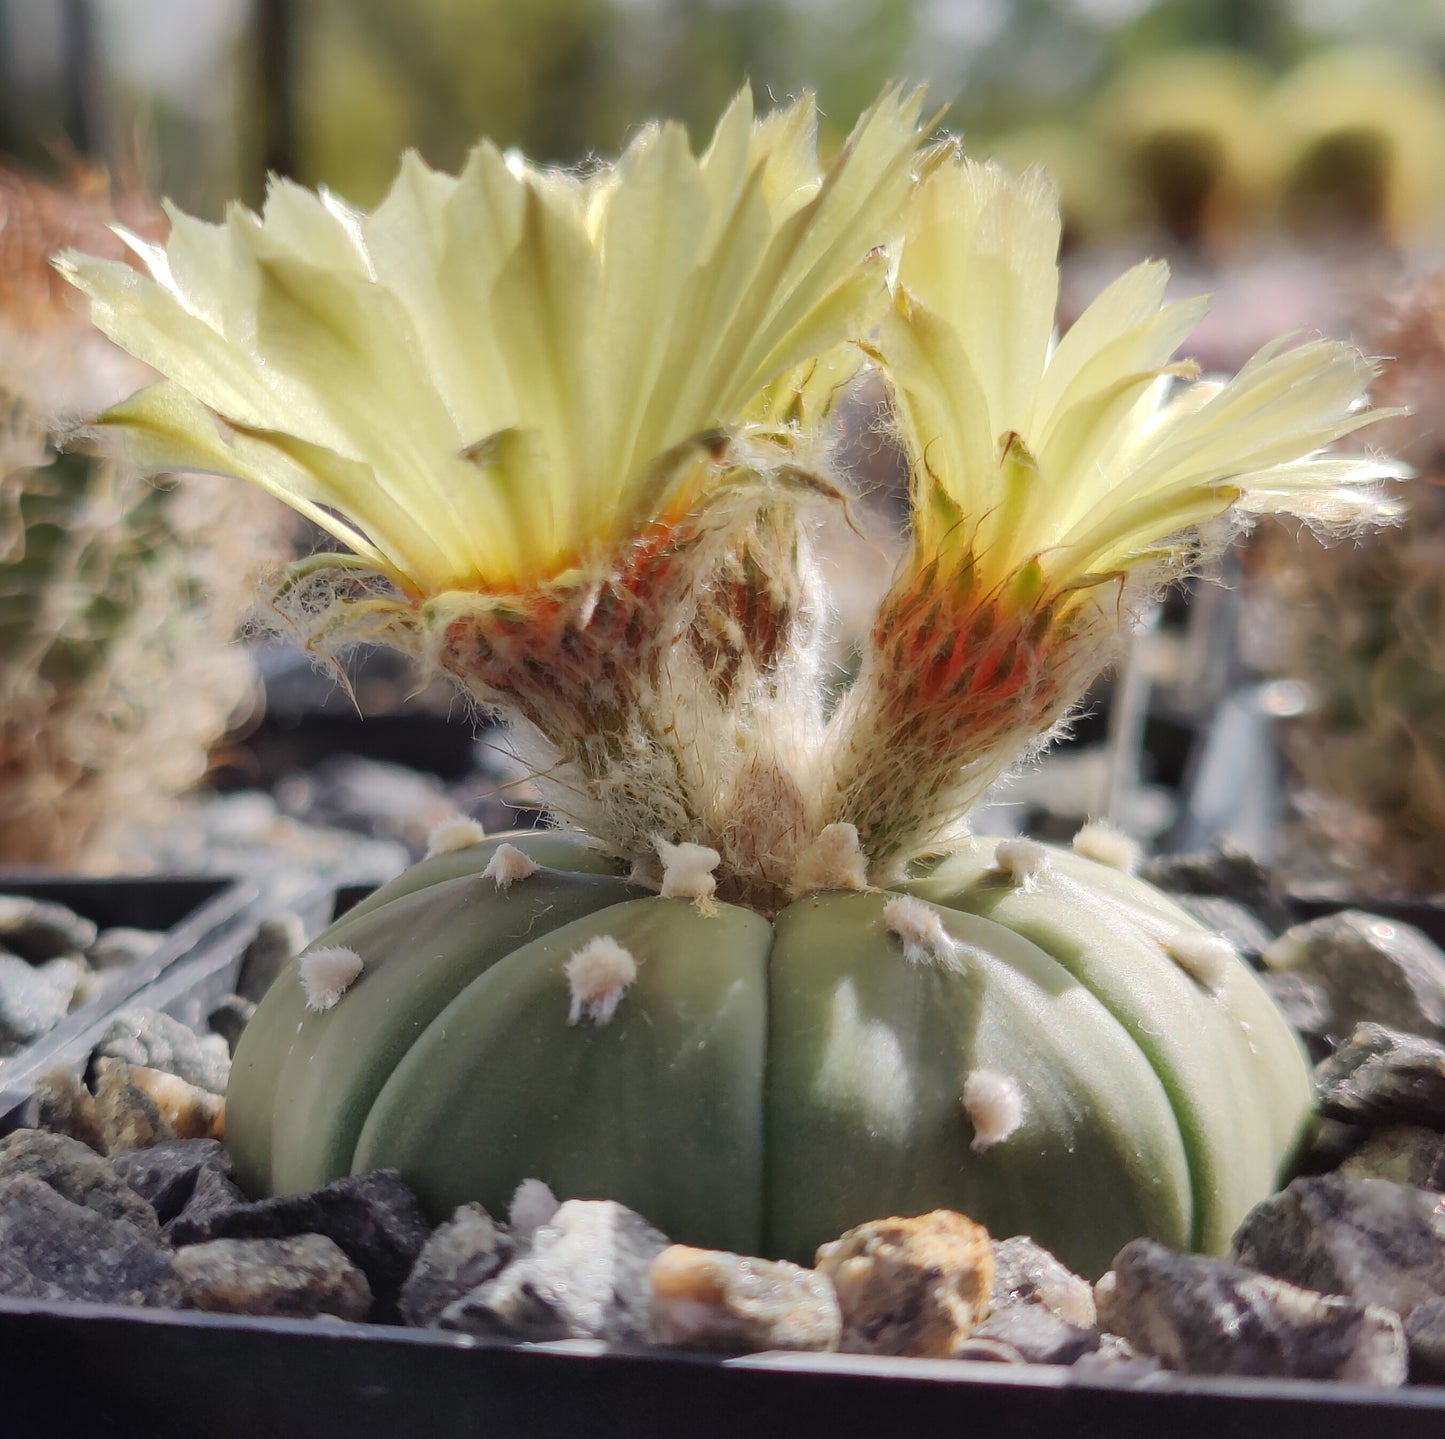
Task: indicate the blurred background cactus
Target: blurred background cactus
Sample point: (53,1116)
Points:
(120,597)
(1360,632)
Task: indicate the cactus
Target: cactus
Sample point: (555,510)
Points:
(119,596)
(1363,627)
(573,433)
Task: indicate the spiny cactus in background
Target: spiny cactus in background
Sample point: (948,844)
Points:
(573,432)
(1364,628)
(119,595)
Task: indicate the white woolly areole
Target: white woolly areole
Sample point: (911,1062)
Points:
(508,864)
(458,832)
(326,974)
(598,975)
(687,869)
(1106,845)
(833,861)
(920,927)
(994,1105)
(533,1205)
(1025,861)
(1207,958)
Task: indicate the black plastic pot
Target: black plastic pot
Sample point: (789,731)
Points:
(110,1373)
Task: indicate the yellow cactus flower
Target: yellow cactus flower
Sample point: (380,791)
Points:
(501,380)
(1056,484)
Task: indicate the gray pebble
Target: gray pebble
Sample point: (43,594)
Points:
(1225,873)
(1305,1003)
(1117,1360)
(461,1254)
(61,1104)
(1425,1334)
(230,1018)
(297,1278)
(1405,1154)
(374,1217)
(987,1351)
(78,1174)
(585,1277)
(1380,1076)
(1247,934)
(39,929)
(1373,970)
(1026,1273)
(157,1041)
(1376,1242)
(121,946)
(1038,1335)
(33,998)
(53,1249)
(214,1193)
(165,1174)
(1202,1315)
(277,941)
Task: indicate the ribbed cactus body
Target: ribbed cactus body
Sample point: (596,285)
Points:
(1048,1066)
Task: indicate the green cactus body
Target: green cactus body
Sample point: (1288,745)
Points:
(763,1085)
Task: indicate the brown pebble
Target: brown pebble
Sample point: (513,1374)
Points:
(192,1112)
(301,1277)
(914,1286)
(129,1117)
(63,1105)
(710,1299)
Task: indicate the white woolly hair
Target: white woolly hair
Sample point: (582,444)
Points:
(507,865)
(920,926)
(533,1205)
(1205,958)
(834,860)
(598,975)
(458,832)
(994,1105)
(327,973)
(687,870)
(1104,844)
(1025,861)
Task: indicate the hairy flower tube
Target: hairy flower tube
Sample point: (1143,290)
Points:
(1056,484)
(527,401)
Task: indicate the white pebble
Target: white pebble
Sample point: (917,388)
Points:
(994,1105)
(326,974)
(598,975)
(507,865)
